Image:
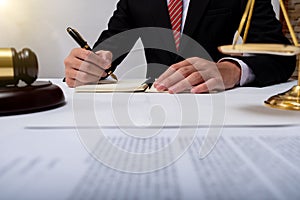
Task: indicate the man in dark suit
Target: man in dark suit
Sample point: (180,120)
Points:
(211,23)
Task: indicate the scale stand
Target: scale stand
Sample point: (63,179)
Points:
(289,100)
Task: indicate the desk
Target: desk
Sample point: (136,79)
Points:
(257,154)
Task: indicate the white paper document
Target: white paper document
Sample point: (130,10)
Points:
(55,164)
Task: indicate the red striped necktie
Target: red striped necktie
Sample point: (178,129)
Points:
(175,12)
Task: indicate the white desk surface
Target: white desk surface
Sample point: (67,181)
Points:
(238,107)
(257,155)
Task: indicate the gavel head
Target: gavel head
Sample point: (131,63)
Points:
(16,66)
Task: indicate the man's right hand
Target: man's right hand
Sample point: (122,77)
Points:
(83,66)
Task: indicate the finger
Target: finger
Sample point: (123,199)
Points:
(177,78)
(193,79)
(163,76)
(189,61)
(201,64)
(73,83)
(71,61)
(99,61)
(76,64)
(78,60)
(177,66)
(80,53)
(81,76)
(186,62)
(173,74)
(172,69)
(180,86)
(104,58)
(170,81)
(71,73)
(211,85)
(92,69)
(208,70)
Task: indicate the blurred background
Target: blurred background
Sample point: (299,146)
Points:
(41,25)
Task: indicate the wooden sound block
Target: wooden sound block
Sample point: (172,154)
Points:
(39,96)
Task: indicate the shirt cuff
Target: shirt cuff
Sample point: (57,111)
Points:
(247,75)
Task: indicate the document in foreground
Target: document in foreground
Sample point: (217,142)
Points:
(253,163)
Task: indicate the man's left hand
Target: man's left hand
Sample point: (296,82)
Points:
(198,75)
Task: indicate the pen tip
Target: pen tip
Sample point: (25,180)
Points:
(69,29)
(114,76)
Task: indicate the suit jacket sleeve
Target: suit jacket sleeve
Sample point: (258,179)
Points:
(115,38)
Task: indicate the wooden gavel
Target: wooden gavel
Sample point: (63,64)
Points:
(16,66)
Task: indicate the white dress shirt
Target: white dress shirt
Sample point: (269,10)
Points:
(247,75)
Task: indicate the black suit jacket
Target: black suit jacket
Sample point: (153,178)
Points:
(210,23)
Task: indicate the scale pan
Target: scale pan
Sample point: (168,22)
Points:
(253,48)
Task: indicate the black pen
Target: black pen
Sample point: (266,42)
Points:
(83,44)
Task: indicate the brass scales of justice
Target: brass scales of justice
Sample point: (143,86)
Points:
(289,100)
